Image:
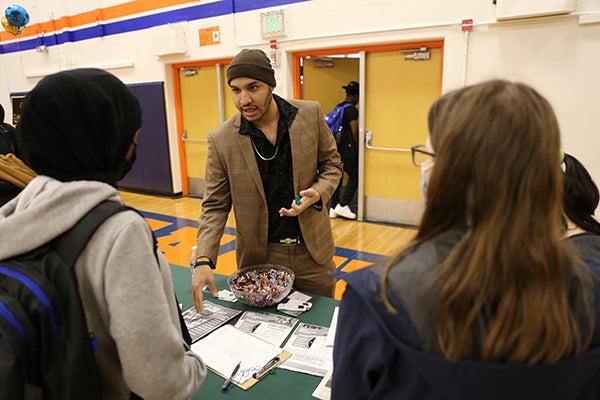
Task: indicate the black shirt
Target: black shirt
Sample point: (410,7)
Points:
(350,114)
(277,174)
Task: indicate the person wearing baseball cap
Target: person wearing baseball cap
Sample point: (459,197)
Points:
(352,88)
(348,149)
(276,164)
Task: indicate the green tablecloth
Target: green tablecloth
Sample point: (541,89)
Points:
(283,384)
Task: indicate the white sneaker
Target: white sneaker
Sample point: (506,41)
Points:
(344,212)
(332,213)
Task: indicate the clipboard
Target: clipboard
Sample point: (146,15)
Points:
(252,381)
(223,348)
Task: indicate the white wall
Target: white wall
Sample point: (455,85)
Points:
(558,55)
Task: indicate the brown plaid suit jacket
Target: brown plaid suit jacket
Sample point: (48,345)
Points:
(233,180)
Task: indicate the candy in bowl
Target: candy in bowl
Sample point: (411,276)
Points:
(261,285)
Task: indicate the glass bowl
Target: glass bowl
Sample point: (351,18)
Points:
(261,285)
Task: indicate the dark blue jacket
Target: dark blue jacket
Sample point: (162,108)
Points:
(377,356)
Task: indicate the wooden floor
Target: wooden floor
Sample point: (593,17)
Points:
(174,221)
(362,236)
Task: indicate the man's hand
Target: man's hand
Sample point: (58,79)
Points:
(202,276)
(308,197)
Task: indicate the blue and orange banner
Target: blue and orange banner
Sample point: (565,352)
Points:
(127,17)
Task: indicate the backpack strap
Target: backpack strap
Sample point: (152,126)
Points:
(344,106)
(71,243)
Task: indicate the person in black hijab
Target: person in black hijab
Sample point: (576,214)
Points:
(79,125)
(78,131)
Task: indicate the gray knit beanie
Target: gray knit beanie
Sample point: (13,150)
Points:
(251,63)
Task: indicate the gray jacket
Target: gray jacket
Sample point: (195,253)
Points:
(128,299)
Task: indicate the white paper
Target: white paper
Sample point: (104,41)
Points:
(226,295)
(294,305)
(300,297)
(227,346)
(213,315)
(332,328)
(273,328)
(310,354)
(292,313)
(323,391)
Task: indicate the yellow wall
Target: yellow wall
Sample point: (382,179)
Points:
(325,84)
(200,114)
(230,109)
(398,95)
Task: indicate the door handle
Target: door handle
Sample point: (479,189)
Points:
(185,138)
(369,140)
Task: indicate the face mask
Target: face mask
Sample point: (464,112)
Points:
(126,166)
(423,186)
(424,169)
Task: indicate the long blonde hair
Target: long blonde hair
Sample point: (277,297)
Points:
(497,173)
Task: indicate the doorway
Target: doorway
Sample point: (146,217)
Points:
(398,84)
(203,102)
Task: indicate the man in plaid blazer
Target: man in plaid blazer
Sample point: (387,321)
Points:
(276,163)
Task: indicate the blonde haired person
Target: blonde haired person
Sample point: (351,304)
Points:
(487,302)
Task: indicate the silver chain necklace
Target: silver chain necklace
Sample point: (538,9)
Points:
(260,155)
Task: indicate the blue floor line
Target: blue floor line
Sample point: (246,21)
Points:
(176,223)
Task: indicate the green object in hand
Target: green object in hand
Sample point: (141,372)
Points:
(298,202)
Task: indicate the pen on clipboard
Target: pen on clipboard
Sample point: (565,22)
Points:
(229,382)
(267,369)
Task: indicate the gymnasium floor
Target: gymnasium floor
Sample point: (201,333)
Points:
(174,222)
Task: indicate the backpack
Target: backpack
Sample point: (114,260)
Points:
(334,120)
(46,350)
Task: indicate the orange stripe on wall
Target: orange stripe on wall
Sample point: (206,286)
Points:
(140,6)
(95,16)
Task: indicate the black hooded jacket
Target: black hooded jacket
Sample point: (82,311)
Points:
(379,355)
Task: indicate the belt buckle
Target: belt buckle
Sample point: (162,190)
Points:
(288,241)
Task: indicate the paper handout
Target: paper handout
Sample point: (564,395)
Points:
(213,316)
(273,328)
(227,346)
(311,355)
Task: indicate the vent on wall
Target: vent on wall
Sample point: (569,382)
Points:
(514,9)
(169,39)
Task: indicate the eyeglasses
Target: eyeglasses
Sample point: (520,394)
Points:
(420,155)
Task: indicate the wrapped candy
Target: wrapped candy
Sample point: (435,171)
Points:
(262,285)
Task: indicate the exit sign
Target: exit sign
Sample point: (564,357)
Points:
(272,23)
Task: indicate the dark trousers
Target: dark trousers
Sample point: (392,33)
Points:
(343,197)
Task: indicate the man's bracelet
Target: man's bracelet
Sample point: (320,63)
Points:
(209,262)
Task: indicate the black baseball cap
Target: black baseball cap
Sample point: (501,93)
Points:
(351,88)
